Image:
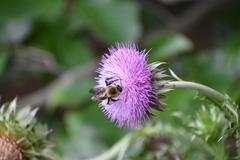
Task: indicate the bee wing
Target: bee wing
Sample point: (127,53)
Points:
(94,90)
(94,98)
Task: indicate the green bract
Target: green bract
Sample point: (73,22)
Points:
(209,123)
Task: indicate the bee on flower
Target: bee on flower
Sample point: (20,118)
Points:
(125,85)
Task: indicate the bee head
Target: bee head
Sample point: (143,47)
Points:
(114,90)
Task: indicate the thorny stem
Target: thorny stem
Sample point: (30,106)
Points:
(212,94)
(199,87)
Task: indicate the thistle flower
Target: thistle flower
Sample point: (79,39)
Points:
(21,137)
(125,85)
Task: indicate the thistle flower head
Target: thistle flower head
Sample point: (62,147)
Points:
(125,67)
(21,137)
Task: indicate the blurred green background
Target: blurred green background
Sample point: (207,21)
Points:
(49,51)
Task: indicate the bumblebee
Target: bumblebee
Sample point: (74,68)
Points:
(109,92)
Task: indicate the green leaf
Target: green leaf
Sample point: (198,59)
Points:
(107,130)
(88,131)
(112,20)
(232,44)
(29,8)
(3,62)
(73,53)
(71,93)
(216,70)
(209,123)
(82,141)
(68,49)
(168,45)
(180,103)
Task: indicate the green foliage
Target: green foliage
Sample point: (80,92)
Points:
(77,32)
(54,36)
(81,141)
(165,46)
(232,45)
(209,123)
(111,20)
(86,136)
(177,110)
(3,62)
(71,93)
(30,9)
(158,141)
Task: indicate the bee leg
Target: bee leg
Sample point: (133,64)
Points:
(110,80)
(111,100)
(114,100)
(108,101)
(107,83)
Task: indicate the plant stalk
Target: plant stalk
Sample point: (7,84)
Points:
(199,87)
(112,152)
(212,94)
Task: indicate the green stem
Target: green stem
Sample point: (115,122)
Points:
(118,150)
(219,151)
(111,153)
(199,87)
(220,99)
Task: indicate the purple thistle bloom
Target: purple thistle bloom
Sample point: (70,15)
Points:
(125,66)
